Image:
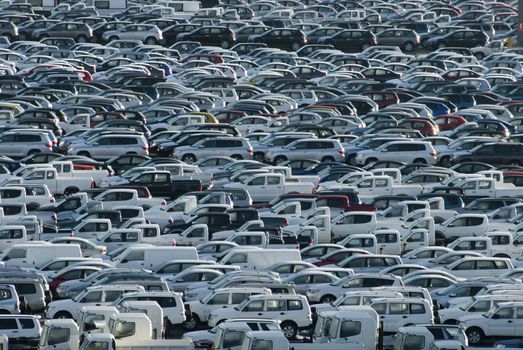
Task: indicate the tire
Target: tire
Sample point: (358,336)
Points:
(237,157)
(445,161)
(131,153)
(4,312)
(81,39)
(502,256)
(289,329)
(295,47)
(151,41)
(480,56)
(62,315)
(279,159)
(224,44)
(113,38)
(475,335)
(451,322)
(420,160)
(440,45)
(70,190)
(189,158)
(328,159)
(168,327)
(370,161)
(84,154)
(259,156)
(327,299)
(440,239)
(408,46)
(192,324)
(33,151)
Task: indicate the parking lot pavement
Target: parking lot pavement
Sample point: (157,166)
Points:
(252,175)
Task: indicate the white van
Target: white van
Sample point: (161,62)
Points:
(259,259)
(152,257)
(30,255)
(399,312)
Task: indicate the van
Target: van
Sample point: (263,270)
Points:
(399,312)
(30,255)
(259,259)
(152,257)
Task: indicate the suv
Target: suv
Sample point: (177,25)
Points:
(21,143)
(221,298)
(9,300)
(324,150)
(108,146)
(35,294)
(234,147)
(399,151)
(293,311)
(493,153)
(23,331)
(399,312)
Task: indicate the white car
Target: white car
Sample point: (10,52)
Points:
(399,151)
(293,311)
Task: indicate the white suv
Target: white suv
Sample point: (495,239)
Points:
(293,311)
(23,330)
(399,151)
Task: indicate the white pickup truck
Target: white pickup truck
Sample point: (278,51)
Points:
(67,169)
(486,187)
(372,186)
(56,183)
(123,196)
(265,187)
(162,214)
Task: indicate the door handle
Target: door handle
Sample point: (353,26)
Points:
(509,321)
(404,316)
(382,316)
(282,313)
(260,313)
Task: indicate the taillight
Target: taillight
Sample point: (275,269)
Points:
(50,145)
(103,250)
(434,153)
(250,151)
(93,184)
(164,202)
(298,246)
(285,223)
(170,221)
(341,151)
(173,244)
(54,217)
(310,242)
(146,149)
(52,200)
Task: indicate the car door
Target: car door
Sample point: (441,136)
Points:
(386,37)
(503,322)
(254,309)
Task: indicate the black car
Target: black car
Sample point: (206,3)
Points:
(350,40)
(460,38)
(222,36)
(494,153)
(170,34)
(284,38)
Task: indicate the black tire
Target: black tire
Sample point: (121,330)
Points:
(4,312)
(440,239)
(189,158)
(192,324)
(370,161)
(501,255)
(62,315)
(168,327)
(151,41)
(33,151)
(84,154)
(113,38)
(327,299)
(408,46)
(451,322)
(70,190)
(224,44)
(259,156)
(295,46)
(328,159)
(289,329)
(445,161)
(81,39)
(420,160)
(475,335)
(279,159)
(441,45)
(237,157)
(480,56)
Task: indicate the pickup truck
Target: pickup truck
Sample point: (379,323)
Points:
(58,185)
(33,195)
(264,187)
(48,214)
(486,187)
(215,222)
(372,186)
(67,169)
(162,184)
(462,225)
(123,196)
(139,234)
(354,222)
(201,209)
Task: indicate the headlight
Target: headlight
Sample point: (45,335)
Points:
(314,291)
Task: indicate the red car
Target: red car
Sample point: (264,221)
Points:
(383,98)
(425,126)
(448,122)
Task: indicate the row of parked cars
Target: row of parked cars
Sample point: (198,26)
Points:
(260,175)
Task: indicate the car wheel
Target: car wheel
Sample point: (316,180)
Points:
(62,315)
(192,324)
(22,36)
(441,45)
(237,157)
(370,161)
(474,335)
(33,151)
(295,47)
(113,38)
(280,159)
(327,299)
(259,156)
(70,190)
(289,329)
(445,161)
(420,160)
(151,41)
(84,154)
(189,158)
(408,46)
(224,44)
(479,55)
(452,322)
(328,159)
(81,39)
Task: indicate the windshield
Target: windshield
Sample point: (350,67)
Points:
(490,312)
(445,291)
(468,304)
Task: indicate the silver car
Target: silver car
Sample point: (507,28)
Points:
(324,150)
(108,146)
(21,143)
(147,33)
(234,147)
